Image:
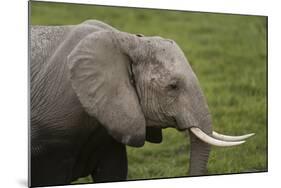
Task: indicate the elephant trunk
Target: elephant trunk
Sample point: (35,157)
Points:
(201,140)
(197,122)
(200,150)
(199,155)
(194,117)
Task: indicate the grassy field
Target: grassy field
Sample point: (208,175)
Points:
(229,55)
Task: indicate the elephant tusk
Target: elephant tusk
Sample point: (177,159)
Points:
(231,138)
(212,141)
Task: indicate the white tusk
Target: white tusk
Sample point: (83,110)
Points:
(231,138)
(209,140)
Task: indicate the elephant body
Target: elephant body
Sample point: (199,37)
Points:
(94,90)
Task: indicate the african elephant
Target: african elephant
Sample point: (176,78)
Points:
(94,90)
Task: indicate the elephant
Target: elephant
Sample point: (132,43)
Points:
(95,89)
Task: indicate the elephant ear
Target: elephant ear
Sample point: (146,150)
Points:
(100,76)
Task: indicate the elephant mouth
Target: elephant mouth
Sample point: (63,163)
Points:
(153,123)
(217,139)
(162,125)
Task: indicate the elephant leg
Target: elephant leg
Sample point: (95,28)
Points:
(112,164)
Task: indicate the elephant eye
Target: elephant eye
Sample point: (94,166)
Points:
(173,86)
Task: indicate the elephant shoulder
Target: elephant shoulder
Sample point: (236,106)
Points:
(44,41)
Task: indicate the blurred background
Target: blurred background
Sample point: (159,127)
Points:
(229,55)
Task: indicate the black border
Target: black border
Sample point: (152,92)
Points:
(28,92)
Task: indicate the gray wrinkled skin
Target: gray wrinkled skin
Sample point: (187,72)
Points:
(93,87)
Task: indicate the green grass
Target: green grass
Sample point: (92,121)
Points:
(227,52)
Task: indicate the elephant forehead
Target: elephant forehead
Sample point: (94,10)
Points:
(170,56)
(162,73)
(167,65)
(166,61)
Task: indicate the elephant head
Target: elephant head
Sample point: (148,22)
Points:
(131,83)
